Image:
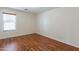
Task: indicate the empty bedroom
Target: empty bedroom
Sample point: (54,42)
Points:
(39,29)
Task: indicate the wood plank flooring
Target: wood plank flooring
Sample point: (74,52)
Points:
(34,42)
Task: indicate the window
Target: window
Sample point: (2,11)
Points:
(9,21)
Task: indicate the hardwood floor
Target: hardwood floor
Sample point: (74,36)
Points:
(34,42)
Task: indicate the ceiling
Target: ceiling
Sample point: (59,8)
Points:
(33,9)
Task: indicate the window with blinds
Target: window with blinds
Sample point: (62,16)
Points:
(9,21)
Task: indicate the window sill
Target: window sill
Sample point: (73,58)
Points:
(8,30)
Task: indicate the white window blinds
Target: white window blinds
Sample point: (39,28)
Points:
(9,21)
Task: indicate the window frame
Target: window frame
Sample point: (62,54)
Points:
(3,22)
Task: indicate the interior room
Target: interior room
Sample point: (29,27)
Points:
(39,29)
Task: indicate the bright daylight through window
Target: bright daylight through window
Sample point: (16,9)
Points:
(9,22)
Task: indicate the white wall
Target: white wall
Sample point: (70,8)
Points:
(25,23)
(61,24)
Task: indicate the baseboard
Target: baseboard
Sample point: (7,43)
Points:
(16,35)
(54,38)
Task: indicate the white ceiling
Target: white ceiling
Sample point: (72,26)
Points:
(33,9)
